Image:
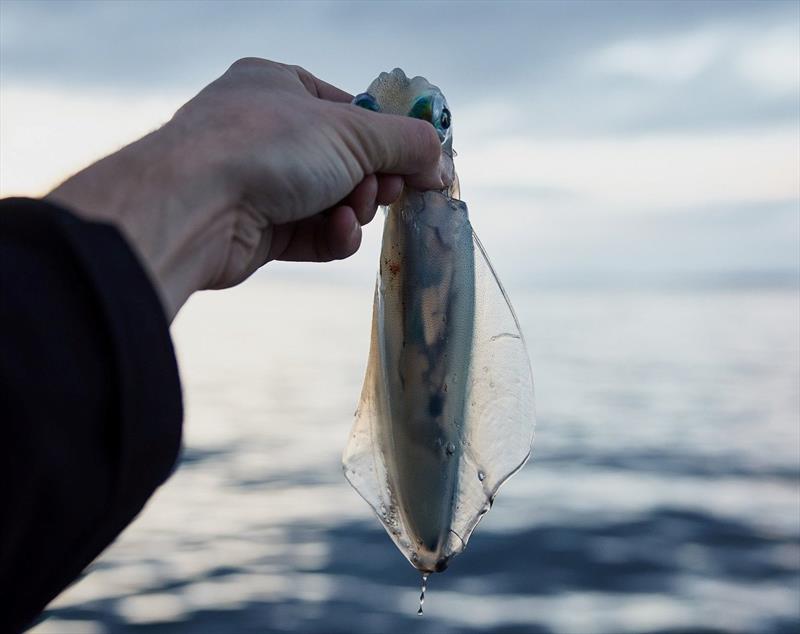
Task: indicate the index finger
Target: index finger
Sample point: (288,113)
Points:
(393,144)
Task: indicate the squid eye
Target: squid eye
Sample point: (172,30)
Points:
(365,100)
(432,109)
(422,109)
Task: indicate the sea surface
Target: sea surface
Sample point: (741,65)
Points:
(663,494)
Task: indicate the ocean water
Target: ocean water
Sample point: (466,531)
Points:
(663,494)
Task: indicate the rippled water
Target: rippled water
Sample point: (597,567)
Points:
(663,494)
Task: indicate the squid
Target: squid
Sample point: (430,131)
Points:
(446,413)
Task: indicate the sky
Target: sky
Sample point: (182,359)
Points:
(621,142)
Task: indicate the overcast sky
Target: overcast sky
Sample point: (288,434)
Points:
(612,140)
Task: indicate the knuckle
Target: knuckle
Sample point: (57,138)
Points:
(306,78)
(249,63)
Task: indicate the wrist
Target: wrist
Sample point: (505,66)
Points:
(170,209)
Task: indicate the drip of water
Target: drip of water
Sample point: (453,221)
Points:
(422,594)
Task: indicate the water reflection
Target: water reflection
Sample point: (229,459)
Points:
(662,495)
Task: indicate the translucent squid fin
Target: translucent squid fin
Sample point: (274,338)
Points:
(499,416)
(363,462)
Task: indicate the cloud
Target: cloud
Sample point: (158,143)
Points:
(472,47)
(648,172)
(545,68)
(49,134)
(768,60)
(592,136)
(773,62)
(540,241)
(673,58)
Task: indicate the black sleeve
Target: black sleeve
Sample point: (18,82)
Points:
(90,400)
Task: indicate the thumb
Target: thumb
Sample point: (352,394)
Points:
(392,144)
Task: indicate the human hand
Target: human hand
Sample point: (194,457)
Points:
(267,162)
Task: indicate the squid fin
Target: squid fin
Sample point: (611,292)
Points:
(499,415)
(363,462)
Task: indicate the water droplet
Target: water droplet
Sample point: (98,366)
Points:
(422,593)
(383,510)
(451,448)
(481,476)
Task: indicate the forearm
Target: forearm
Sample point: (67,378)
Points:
(144,190)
